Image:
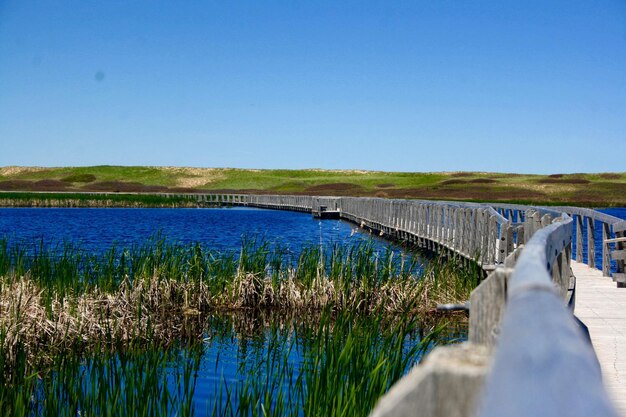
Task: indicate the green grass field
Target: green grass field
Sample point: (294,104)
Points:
(599,189)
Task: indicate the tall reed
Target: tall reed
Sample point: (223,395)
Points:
(131,381)
(63,299)
(348,362)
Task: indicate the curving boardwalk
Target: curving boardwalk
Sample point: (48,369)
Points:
(602,308)
(526,355)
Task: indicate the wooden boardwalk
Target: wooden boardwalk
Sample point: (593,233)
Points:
(602,307)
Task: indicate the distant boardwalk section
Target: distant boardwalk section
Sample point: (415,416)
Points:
(526,355)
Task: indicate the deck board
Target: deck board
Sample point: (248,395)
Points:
(602,307)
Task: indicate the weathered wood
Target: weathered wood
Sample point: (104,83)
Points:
(505,244)
(591,243)
(579,238)
(534,373)
(492,241)
(606,250)
(619,226)
(446,384)
(528,224)
(470,229)
(615,240)
(487,303)
(619,255)
(620,265)
(619,277)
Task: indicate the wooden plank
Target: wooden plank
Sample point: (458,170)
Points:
(620,226)
(503,243)
(619,277)
(487,303)
(620,265)
(447,383)
(619,254)
(538,346)
(528,225)
(606,260)
(615,240)
(579,238)
(591,242)
(493,240)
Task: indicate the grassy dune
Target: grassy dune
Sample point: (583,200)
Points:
(600,189)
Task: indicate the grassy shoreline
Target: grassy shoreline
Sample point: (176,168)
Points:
(89,334)
(64,299)
(582,189)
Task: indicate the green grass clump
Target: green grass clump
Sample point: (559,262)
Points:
(61,305)
(65,299)
(27,199)
(331,365)
(348,362)
(132,382)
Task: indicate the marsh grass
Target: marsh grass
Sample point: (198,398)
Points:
(336,364)
(110,320)
(346,362)
(129,381)
(78,199)
(65,299)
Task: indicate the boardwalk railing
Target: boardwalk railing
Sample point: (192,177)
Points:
(487,232)
(526,355)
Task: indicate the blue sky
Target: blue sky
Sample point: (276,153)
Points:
(513,86)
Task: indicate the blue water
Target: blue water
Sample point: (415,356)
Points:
(96,230)
(619,212)
(231,353)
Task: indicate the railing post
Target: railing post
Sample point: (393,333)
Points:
(483,236)
(579,238)
(591,243)
(536,222)
(528,225)
(504,242)
(606,250)
(520,239)
(488,302)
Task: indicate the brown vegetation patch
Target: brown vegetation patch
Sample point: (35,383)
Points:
(183,190)
(608,176)
(41,185)
(240,191)
(453,182)
(125,187)
(50,185)
(601,192)
(555,176)
(462,174)
(15,185)
(563,181)
(386,185)
(483,181)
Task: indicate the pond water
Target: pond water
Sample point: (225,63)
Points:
(238,351)
(220,229)
(619,212)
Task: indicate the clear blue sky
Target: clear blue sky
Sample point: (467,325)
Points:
(515,86)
